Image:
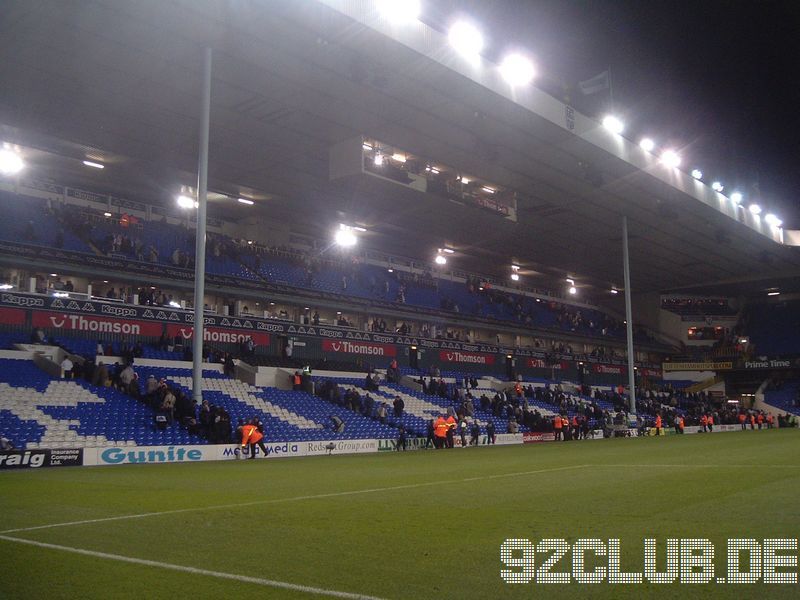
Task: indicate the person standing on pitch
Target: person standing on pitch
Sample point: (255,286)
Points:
(451,430)
(440,430)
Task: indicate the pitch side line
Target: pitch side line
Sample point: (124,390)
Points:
(195,571)
(696,466)
(408,486)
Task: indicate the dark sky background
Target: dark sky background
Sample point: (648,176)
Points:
(717,79)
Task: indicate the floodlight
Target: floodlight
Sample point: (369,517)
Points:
(440,259)
(717,186)
(11,163)
(399,157)
(736,197)
(573,290)
(245,201)
(517,70)
(776,293)
(515,276)
(613,124)
(466,40)
(378,160)
(448,250)
(488,190)
(755,209)
(94,165)
(186,202)
(773,220)
(399,11)
(697,174)
(345,237)
(647,144)
(671,159)
(614,291)
(106,214)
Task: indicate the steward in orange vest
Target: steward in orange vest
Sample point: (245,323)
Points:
(557,427)
(439,433)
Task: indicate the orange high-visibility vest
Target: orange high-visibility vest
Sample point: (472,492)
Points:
(760,419)
(247,431)
(710,419)
(440,427)
(742,417)
(557,423)
(451,422)
(658,421)
(297,379)
(703,420)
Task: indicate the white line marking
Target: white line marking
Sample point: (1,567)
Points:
(194,571)
(294,499)
(696,466)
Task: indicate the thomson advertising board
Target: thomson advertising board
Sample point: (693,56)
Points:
(218,335)
(359,348)
(95,324)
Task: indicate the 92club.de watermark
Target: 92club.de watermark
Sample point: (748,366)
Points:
(677,560)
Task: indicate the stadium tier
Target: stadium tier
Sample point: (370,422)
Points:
(39,411)
(156,242)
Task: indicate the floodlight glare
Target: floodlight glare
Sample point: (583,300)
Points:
(755,209)
(697,174)
(515,276)
(717,186)
(378,160)
(11,163)
(647,144)
(94,165)
(573,290)
(186,202)
(345,237)
(671,159)
(399,11)
(736,197)
(245,201)
(440,260)
(773,220)
(517,70)
(466,40)
(614,291)
(613,124)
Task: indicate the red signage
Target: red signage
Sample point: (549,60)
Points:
(359,347)
(609,369)
(12,316)
(645,372)
(539,363)
(217,335)
(92,324)
(466,357)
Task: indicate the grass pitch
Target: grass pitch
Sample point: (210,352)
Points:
(414,525)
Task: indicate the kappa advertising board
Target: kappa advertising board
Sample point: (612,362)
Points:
(218,335)
(35,459)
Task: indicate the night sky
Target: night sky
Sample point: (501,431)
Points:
(717,79)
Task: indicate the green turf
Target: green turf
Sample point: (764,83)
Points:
(420,540)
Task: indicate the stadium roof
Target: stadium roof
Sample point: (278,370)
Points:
(119,81)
